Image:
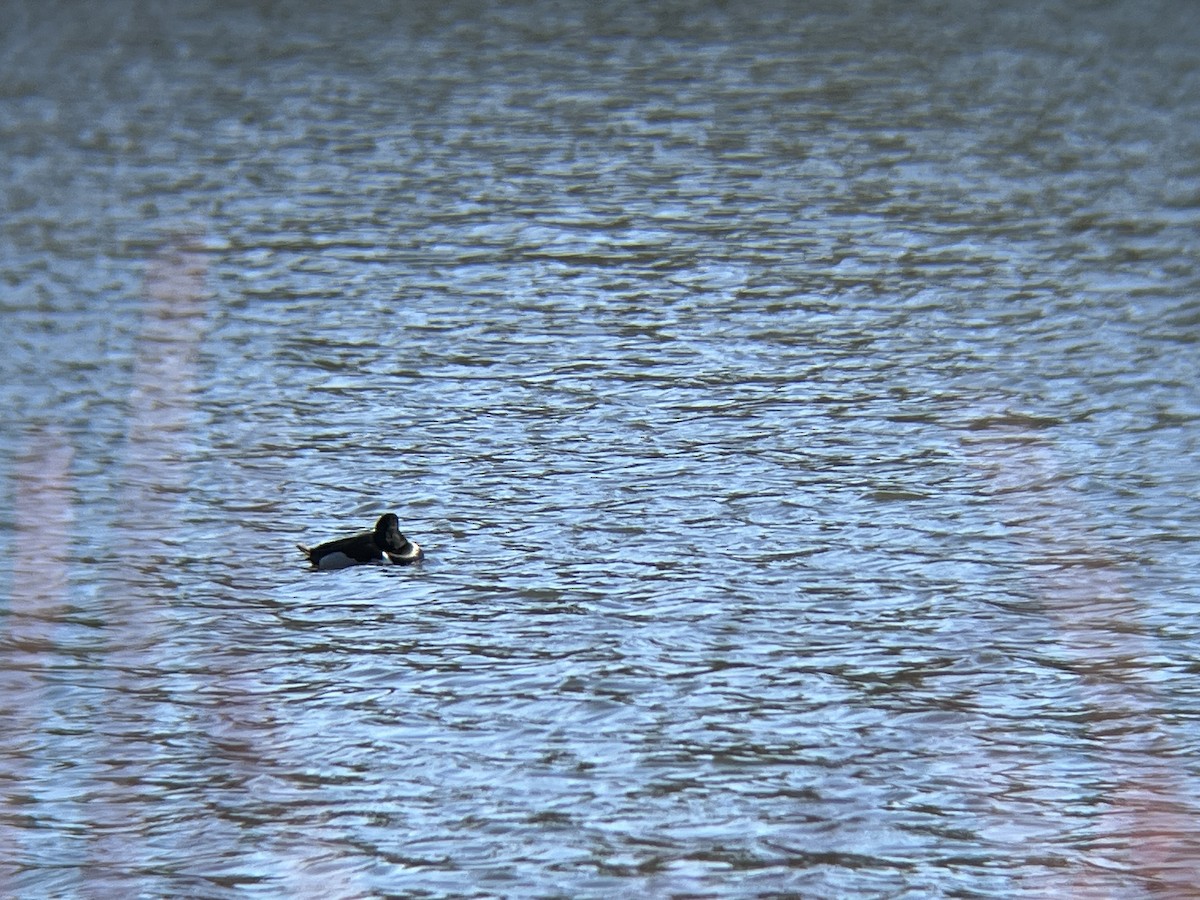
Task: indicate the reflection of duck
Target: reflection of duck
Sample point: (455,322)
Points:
(368,547)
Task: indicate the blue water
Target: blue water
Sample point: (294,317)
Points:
(797,407)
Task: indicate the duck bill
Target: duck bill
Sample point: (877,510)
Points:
(410,554)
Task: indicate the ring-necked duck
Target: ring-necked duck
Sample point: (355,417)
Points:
(368,547)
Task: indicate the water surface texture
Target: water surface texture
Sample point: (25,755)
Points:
(796,401)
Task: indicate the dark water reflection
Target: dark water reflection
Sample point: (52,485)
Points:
(797,406)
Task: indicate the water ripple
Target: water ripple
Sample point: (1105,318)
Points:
(796,410)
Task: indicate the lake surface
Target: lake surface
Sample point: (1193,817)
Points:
(797,404)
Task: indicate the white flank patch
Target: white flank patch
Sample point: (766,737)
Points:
(337,560)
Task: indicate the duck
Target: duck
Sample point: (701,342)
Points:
(385,542)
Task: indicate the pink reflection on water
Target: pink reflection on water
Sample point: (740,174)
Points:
(43,524)
(1147,826)
(121,809)
(242,733)
(162,397)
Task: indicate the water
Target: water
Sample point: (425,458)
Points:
(797,406)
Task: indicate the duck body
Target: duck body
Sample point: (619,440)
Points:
(384,543)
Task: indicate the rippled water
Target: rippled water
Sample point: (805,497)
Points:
(796,402)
